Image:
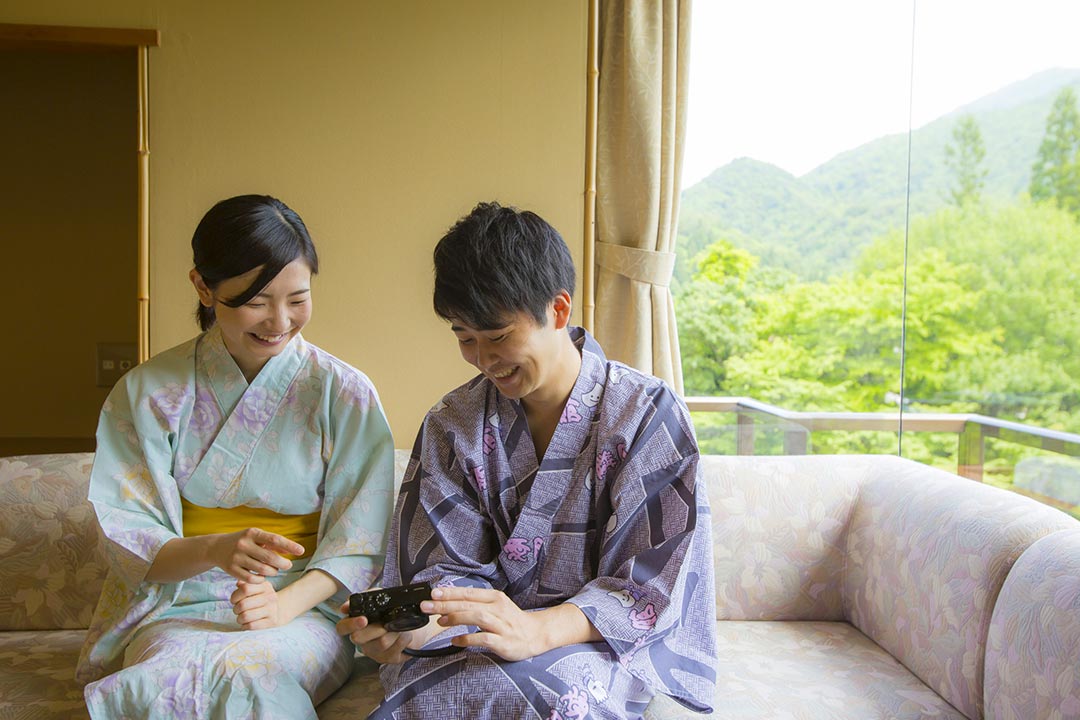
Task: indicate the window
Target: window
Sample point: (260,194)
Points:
(879,226)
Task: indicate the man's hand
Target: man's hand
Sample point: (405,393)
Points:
(256,605)
(505,629)
(378,643)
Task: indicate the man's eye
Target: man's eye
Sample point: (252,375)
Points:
(500,338)
(465,341)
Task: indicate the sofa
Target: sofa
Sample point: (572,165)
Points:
(846,587)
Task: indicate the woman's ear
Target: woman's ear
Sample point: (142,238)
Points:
(563,306)
(206,297)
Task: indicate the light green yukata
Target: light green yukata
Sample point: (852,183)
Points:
(307,435)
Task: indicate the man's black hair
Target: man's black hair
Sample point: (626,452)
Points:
(498,261)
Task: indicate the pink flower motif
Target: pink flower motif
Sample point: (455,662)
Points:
(570,413)
(517,549)
(478,476)
(604,461)
(575,703)
(644,619)
(489,439)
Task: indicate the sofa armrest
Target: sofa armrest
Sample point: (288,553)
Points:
(927,555)
(52,569)
(1033,652)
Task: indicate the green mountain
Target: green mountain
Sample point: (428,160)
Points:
(815,225)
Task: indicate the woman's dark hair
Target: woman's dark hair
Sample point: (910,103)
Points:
(245,232)
(497,261)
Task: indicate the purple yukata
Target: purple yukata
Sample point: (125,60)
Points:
(615,520)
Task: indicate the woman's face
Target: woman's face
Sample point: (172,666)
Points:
(261,328)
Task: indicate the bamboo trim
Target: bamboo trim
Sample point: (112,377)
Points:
(24,35)
(143,289)
(588,289)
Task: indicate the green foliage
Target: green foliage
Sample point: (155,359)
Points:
(1055,176)
(964,156)
(816,225)
(993,326)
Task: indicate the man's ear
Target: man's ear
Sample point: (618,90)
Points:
(563,306)
(206,297)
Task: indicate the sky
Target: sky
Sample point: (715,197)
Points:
(796,82)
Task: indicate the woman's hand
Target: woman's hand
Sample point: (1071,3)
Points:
(256,605)
(253,554)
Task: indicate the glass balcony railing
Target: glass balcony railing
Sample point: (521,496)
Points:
(1034,461)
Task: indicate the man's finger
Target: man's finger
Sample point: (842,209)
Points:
(451,592)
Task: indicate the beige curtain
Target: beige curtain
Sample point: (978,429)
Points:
(644,57)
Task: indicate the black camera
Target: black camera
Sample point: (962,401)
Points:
(395,608)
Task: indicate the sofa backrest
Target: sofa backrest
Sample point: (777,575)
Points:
(779,530)
(51,565)
(927,555)
(51,568)
(1033,651)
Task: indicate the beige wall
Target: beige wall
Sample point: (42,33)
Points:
(67,198)
(380,123)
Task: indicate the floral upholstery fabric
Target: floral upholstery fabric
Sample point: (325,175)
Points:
(37,675)
(50,567)
(1033,652)
(927,554)
(778,534)
(809,671)
(897,549)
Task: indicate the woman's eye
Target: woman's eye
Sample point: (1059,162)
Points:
(298,302)
(254,305)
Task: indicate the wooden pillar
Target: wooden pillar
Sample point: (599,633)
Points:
(143,289)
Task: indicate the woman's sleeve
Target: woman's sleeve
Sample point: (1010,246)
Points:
(358,490)
(131,485)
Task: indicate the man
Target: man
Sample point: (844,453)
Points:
(554,504)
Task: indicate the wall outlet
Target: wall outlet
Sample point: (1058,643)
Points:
(113,360)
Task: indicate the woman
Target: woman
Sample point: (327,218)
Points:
(243,482)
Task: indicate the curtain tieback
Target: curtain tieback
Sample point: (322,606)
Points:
(647,266)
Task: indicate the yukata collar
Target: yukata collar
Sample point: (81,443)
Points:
(228,383)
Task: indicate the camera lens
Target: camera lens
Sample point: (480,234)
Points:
(405,619)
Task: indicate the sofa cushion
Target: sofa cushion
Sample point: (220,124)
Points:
(38,677)
(357,697)
(1033,652)
(778,534)
(50,566)
(809,671)
(928,552)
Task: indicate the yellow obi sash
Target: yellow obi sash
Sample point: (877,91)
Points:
(303,529)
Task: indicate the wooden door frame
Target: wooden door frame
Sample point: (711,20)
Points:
(68,38)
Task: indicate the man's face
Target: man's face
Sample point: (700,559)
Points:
(518,357)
